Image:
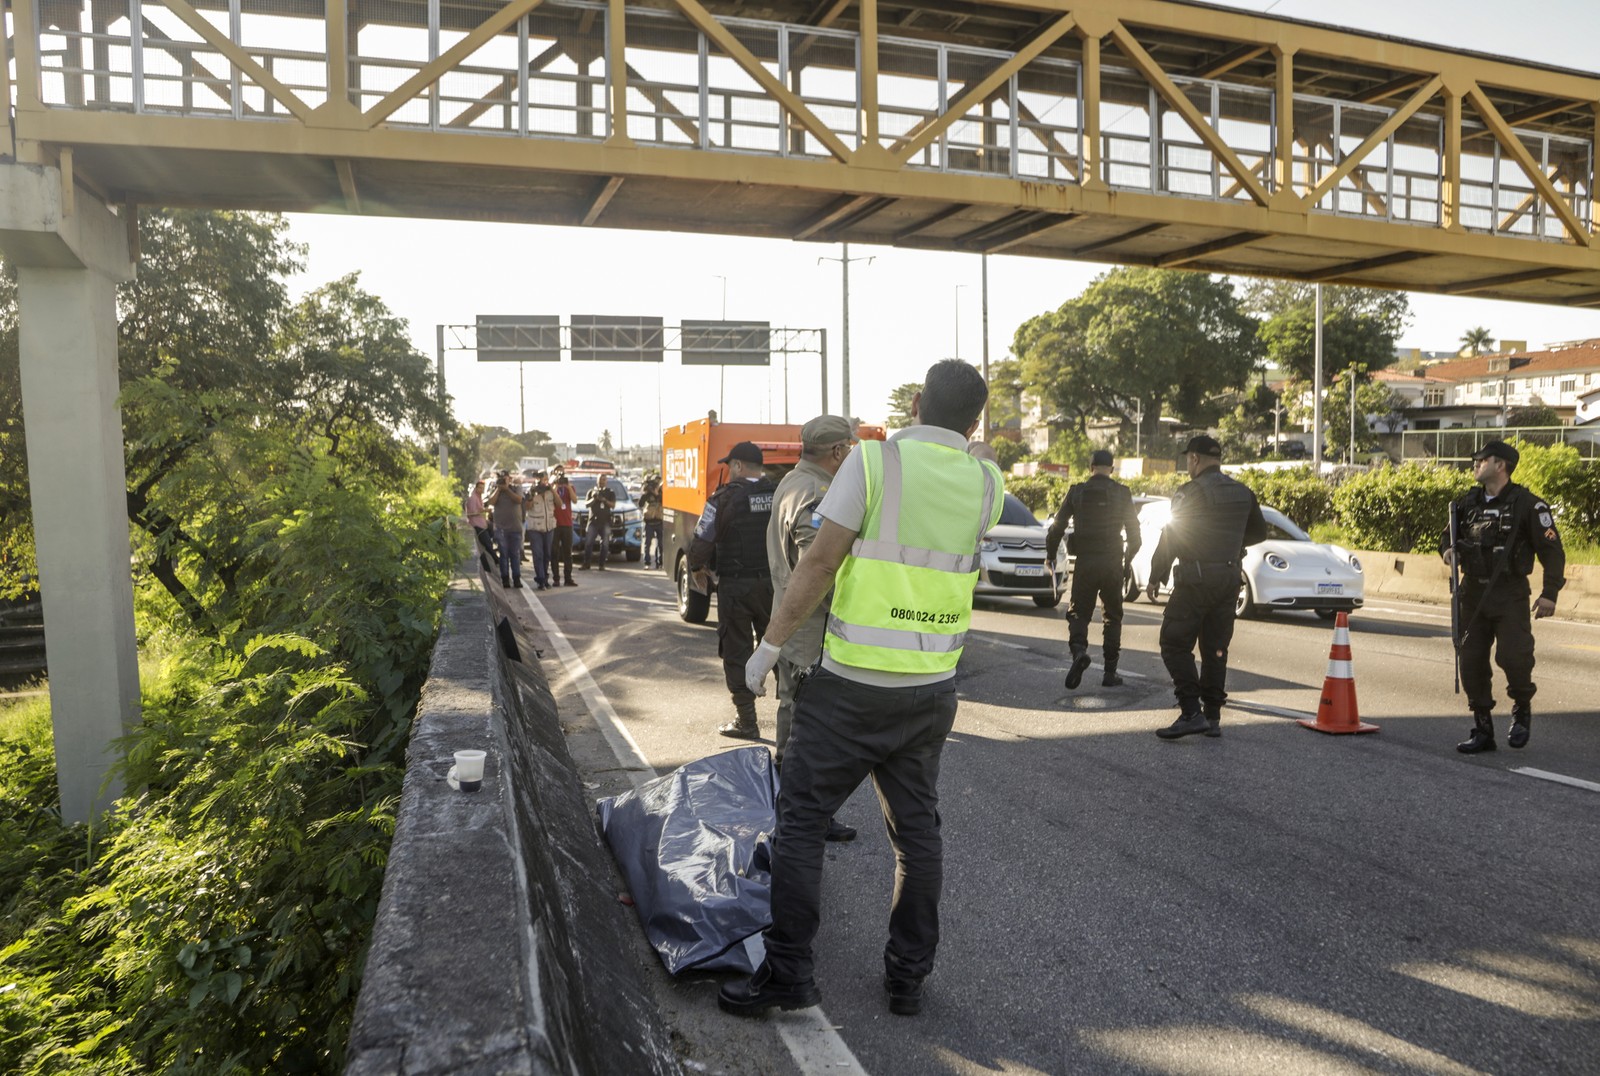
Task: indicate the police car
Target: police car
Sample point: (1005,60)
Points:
(627,528)
(1287,571)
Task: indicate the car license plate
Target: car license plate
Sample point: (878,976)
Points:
(1334,589)
(1030,569)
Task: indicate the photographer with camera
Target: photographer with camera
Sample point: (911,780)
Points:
(505,504)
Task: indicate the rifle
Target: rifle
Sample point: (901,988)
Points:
(1455,594)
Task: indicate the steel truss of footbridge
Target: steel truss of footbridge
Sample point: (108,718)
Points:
(1147,132)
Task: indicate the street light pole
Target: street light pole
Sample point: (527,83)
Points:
(1316,392)
(985,262)
(958,319)
(722,369)
(444,448)
(844,260)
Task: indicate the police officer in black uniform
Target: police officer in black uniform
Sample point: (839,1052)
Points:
(732,537)
(1500,527)
(1104,539)
(1213,519)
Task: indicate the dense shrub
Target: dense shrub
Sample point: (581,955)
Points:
(1156,485)
(1558,474)
(1398,509)
(218,920)
(1041,492)
(1296,492)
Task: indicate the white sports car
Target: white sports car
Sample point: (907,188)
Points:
(1287,571)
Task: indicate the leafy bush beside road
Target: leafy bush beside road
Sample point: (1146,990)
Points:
(1296,492)
(1558,474)
(1399,509)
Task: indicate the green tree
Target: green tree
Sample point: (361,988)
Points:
(1534,414)
(1008,452)
(604,442)
(1140,340)
(1005,392)
(1477,340)
(900,405)
(1359,325)
(1372,400)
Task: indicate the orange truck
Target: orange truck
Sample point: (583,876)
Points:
(690,473)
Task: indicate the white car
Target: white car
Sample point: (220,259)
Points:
(1287,571)
(1012,562)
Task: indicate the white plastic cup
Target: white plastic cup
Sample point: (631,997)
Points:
(468,770)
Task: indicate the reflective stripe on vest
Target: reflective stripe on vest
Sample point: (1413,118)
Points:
(903,601)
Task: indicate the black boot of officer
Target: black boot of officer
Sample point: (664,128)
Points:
(1213,714)
(1080,665)
(1521,718)
(1110,677)
(1482,735)
(1190,721)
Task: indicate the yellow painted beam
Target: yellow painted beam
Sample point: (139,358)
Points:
(617,68)
(1228,61)
(1513,145)
(1092,150)
(753,67)
(1450,167)
(924,133)
(608,191)
(240,59)
(1283,157)
(6,139)
(1388,127)
(1181,104)
(1047,138)
(25,43)
(431,72)
(336,23)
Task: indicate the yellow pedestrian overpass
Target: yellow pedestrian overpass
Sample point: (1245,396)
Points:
(1148,132)
(1132,131)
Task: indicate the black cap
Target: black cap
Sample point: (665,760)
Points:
(747,452)
(1100,458)
(1203,446)
(1501,449)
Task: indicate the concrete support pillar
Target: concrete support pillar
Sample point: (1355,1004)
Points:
(70,251)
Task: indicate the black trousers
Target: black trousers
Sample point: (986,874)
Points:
(561,555)
(1096,577)
(1199,612)
(1503,622)
(743,608)
(843,733)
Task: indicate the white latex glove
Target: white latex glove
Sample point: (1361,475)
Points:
(759,665)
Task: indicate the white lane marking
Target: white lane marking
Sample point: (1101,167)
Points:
(812,1039)
(1275,711)
(645,601)
(1558,778)
(1002,642)
(611,727)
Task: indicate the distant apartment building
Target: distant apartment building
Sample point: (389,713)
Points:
(1479,391)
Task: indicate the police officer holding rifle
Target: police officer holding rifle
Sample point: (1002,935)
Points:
(1494,534)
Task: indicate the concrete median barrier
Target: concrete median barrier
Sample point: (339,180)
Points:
(1424,577)
(499,944)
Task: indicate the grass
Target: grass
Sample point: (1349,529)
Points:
(26,718)
(1333,534)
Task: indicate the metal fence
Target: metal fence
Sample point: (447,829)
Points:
(1457,446)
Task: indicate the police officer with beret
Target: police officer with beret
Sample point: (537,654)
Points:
(1213,519)
(1103,540)
(732,534)
(1499,529)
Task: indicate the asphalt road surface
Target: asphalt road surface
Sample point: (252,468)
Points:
(1276,901)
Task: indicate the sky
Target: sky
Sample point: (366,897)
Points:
(908,309)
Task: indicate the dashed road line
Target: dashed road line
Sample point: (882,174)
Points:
(1558,778)
(812,1039)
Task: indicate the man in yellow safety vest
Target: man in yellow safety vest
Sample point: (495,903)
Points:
(898,545)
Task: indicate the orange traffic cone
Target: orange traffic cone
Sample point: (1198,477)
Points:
(1337,713)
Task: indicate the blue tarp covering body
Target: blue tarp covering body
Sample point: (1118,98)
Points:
(695,849)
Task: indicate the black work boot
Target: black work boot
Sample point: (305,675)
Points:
(743,726)
(1213,720)
(1110,677)
(760,992)
(1189,722)
(1080,664)
(905,995)
(1482,736)
(1521,718)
